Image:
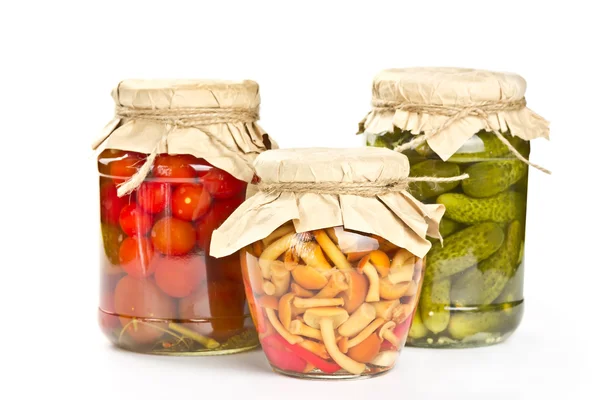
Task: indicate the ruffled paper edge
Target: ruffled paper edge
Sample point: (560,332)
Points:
(245,141)
(260,215)
(523,123)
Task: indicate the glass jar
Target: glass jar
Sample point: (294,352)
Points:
(450,122)
(328,310)
(175,162)
(475,296)
(160,291)
(333,252)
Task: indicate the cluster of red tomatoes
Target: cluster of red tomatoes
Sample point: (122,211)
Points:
(167,224)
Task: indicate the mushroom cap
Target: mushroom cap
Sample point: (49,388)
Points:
(309,278)
(313,316)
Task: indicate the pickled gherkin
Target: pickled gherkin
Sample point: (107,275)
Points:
(472,293)
(484,283)
(425,190)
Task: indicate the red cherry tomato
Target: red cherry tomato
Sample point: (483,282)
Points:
(124,167)
(180,276)
(142,299)
(153,197)
(137,257)
(134,221)
(173,237)
(219,212)
(202,167)
(174,167)
(110,204)
(190,201)
(222,185)
(222,303)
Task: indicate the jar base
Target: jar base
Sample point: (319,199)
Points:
(495,326)
(176,338)
(369,373)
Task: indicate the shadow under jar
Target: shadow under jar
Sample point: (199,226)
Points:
(330,303)
(475,294)
(160,291)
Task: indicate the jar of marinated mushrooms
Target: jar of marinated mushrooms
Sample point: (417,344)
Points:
(332,256)
(173,165)
(451,121)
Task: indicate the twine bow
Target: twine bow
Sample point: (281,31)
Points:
(363,189)
(455,114)
(179,118)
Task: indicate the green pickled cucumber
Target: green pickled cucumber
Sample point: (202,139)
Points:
(463,250)
(417,329)
(482,284)
(465,324)
(448,227)
(489,178)
(438,168)
(434,304)
(112,236)
(482,146)
(501,208)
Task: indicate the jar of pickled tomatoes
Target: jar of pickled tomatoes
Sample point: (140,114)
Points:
(173,165)
(333,256)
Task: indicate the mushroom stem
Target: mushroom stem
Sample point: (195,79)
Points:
(389,291)
(268,302)
(312,254)
(257,248)
(290,260)
(313,302)
(358,321)
(277,233)
(335,285)
(292,339)
(332,251)
(365,333)
(315,348)
(332,235)
(402,268)
(280,277)
(386,332)
(300,291)
(343,360)
(272,252)
(268,288)
(385,309)
(285,310)
(371,273)
(297,327)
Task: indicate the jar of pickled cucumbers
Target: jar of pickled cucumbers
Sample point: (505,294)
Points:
(451,121)
(332,256)
(173,165)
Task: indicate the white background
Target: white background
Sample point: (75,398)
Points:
(314,62)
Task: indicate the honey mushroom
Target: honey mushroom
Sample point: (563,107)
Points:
(292,339)
(402,311)
(331,233)
(356,256)
(402,267)
(285,310)
(366,268)
(280,277)
(381,262)
(268,302)
(386,332)
(343,344)
(356,293)
(290,260)
(385,309)
(327,319)
(300,291)
(332,251)
(314,302)
(315,348)
(257,248)
(365,333)
(297,327)
(359,320)
(309,278)
(366,350)
(312,254)
(389,291)
(272,253)
(268,287)
(335,285)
